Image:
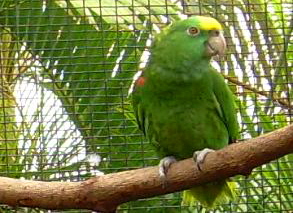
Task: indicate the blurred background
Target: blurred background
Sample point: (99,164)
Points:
(67,68)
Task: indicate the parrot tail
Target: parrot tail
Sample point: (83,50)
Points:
(210,194)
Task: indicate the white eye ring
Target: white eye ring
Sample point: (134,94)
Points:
(193,31)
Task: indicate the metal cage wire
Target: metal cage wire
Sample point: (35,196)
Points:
(66,72)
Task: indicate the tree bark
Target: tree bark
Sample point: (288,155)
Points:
(104,193)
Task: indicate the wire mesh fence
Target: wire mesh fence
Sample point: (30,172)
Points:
(67,69)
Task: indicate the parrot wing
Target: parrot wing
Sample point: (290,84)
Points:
(138,109)
(214,193)
(226,104)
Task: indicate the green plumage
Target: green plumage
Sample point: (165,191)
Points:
(183,105)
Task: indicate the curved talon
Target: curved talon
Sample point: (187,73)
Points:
(164,166)
(199,156)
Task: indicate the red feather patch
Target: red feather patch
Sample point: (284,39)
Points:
(140,81)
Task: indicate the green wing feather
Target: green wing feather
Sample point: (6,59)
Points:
(138,110)
(142,119)
(218,192)
(226,104)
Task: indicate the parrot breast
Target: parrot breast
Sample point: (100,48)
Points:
(183,118)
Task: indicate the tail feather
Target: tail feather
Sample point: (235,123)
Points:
(210,194)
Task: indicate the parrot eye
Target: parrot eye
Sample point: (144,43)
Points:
(193,31)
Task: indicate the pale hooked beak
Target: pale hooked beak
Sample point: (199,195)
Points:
(216,44)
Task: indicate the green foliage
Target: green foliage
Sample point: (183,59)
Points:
(8,129)
(66,69)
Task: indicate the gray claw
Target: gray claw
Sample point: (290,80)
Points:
(199,156)
(164,166)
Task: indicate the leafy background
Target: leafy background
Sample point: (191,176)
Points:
(67,68)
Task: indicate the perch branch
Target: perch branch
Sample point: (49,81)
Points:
(104,193)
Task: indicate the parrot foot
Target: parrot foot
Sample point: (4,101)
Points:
(164,166)
(199,156)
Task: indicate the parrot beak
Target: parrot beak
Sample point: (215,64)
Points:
(216,44)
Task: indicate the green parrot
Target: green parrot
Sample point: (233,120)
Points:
(183,105)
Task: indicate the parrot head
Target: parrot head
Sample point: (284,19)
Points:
(194,39)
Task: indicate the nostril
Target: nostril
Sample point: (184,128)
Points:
(216,32)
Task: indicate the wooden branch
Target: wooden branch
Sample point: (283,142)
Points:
(281,101)
(105,193)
